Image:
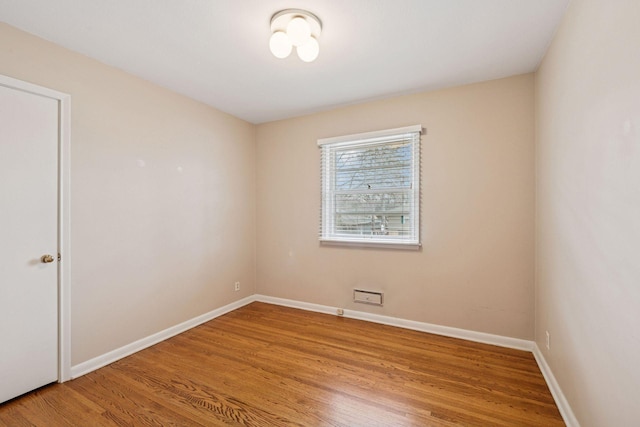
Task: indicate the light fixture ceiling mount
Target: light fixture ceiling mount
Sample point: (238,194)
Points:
(295,28)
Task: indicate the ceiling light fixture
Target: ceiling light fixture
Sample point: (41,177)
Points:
(295,28)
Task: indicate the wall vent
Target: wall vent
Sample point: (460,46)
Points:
(367,297)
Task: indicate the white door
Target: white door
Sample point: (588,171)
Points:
(29,134)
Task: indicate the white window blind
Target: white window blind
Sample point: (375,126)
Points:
(371,188)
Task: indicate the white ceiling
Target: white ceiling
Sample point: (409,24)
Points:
(216,51)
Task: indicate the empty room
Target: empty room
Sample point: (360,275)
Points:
(320,212)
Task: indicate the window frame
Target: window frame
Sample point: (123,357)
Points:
(328,147)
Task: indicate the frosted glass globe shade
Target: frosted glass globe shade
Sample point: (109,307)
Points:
(309,51)
(299,31)
(280,45)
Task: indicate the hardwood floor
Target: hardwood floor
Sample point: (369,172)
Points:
(266,365)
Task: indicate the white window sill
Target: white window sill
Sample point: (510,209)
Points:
(371,244)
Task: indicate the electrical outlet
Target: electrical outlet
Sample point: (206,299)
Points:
(236,286)
(548,340)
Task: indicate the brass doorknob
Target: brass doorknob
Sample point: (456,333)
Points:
(46,258)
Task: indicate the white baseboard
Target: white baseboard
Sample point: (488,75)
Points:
(117,354)
(561,401)
(515,343)
(447,331)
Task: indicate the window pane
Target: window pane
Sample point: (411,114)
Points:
(393,225)
(373,203)
(377,167)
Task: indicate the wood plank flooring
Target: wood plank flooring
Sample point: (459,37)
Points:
(266,365)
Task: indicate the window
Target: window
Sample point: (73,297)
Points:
(371,188)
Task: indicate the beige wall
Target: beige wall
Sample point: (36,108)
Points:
(475,270)
(588,210)
(162,198)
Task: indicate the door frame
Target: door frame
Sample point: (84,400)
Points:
(63,220)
